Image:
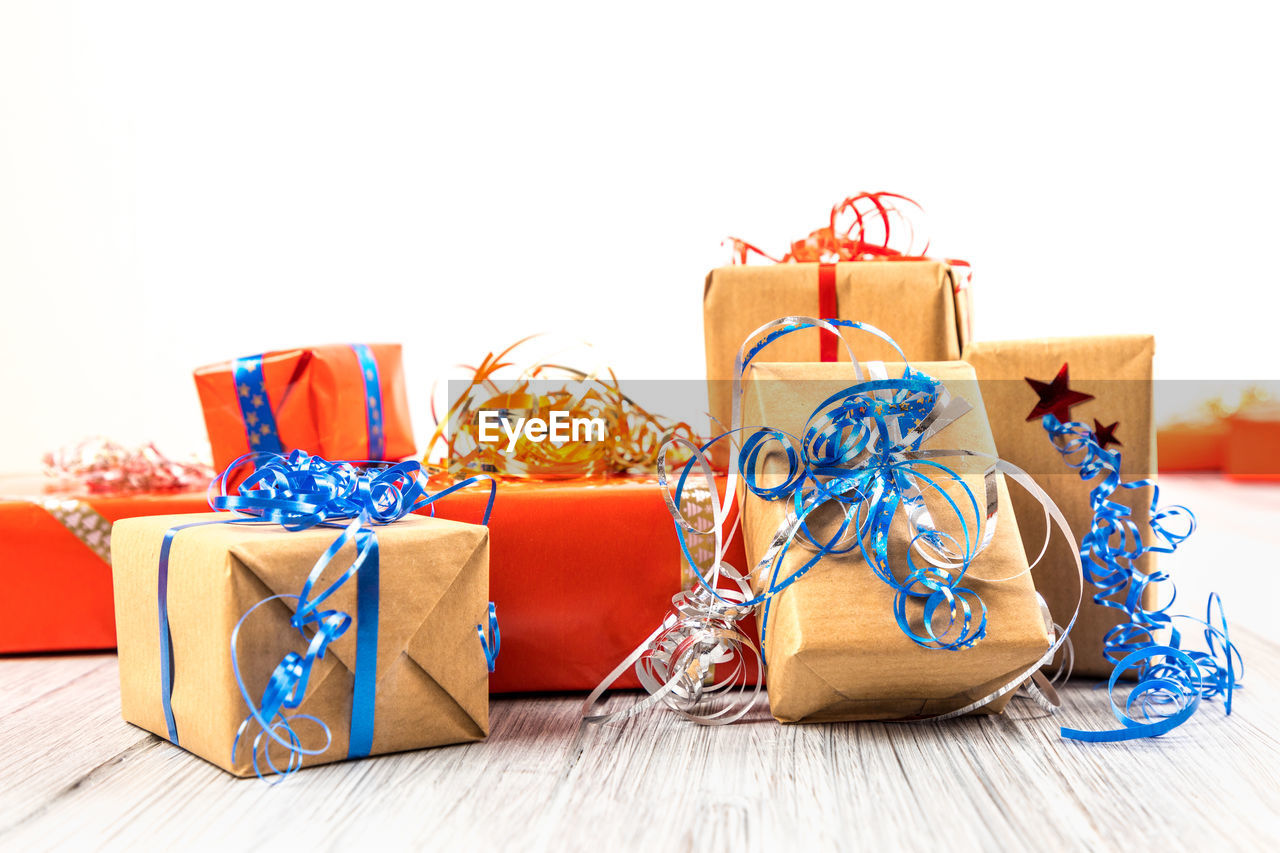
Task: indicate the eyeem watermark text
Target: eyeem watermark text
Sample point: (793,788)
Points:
(559,428)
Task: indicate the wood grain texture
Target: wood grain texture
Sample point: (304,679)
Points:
(72,773)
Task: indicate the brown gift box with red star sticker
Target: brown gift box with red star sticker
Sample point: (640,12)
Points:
(1107,385)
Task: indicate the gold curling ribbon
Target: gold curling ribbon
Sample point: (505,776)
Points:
(632,440)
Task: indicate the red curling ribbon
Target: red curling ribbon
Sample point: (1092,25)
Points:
(877,226)
(866,226)
(827,308)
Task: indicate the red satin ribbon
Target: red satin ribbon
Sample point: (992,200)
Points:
(827,310)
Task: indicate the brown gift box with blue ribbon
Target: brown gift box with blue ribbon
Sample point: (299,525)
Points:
(432,685)
(833,648)
(338,401)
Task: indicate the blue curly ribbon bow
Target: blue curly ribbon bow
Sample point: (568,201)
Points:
(299,492)
(1171,680)
(861,453)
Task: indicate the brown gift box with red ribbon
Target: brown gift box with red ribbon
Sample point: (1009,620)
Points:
(869,263)
(1116,371)
(922,304)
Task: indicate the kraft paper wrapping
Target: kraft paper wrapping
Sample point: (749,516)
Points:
(833,648)
(917,303)
(1117,371)
(432,675)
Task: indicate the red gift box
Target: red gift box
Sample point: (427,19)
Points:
(581,573)
(54,563)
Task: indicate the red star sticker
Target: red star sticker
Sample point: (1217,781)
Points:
(1055,397)
(1105,434)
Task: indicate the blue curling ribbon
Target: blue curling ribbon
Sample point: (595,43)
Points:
(299,492)
(1171,680)
(861,454)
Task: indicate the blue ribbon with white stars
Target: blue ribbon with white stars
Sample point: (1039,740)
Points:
(299,492)
(372,399)
(255,407)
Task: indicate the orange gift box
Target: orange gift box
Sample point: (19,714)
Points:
(581,573)
(1253,443)
(339,401)
(54,569)
(1192,446)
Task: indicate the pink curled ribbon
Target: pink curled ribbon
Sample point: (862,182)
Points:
(102,466)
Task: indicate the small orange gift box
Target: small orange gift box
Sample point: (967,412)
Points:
(339,401)
(1253,443)
(1192,445)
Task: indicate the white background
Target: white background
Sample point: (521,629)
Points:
(181,183)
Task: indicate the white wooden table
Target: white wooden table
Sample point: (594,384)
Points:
(71,772)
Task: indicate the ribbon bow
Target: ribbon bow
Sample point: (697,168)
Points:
(861,455)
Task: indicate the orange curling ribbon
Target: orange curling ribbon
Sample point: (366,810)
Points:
(630,444)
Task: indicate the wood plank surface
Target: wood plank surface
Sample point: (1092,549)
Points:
(72,772)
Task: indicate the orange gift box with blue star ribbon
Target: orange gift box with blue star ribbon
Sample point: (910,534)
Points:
(339,401)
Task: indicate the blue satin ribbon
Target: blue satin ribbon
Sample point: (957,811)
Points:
(299,492)
(1171,680)
(492,645)
(255,407)
(166,637)
(372,400)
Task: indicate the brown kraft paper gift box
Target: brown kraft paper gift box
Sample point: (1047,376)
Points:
(833,648)
(922,304)
(432,682)
(1116,370)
